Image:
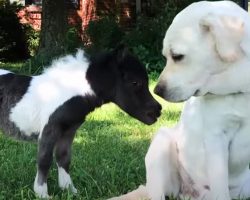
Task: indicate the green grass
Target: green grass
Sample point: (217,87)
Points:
(21,67)
(108,156)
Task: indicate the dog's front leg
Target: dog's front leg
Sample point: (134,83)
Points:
(216,147)
(45,157)
(162,177)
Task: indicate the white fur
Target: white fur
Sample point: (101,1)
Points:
(208,148)
(206,155)
(41,190)
(140,192)
(3,71)
(63,80)
(209,145)
(198,33)
(65,181)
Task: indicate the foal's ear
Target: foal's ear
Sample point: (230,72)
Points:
(227,33)
(120,52)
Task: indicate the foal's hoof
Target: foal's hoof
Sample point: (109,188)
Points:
(41,191)
(42,195)
(69,187)
(45,197)
(73,189)
(65,182)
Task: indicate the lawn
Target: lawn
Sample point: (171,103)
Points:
(108,156)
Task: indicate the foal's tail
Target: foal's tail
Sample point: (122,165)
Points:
(139,194)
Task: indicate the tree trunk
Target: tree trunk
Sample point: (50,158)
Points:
(53,29)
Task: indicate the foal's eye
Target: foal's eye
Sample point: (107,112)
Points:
(136,84)
(177,57)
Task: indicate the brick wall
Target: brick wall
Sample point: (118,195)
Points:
(86,11)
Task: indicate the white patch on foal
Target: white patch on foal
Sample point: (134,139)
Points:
(41,190)
(3,71)
(65,79)
(65,181)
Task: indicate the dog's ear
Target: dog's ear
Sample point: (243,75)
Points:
(227,32)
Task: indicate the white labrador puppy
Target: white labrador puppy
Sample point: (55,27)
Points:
(206,155)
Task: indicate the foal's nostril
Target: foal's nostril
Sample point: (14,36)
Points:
(159,107)
(158,110)
(159,90)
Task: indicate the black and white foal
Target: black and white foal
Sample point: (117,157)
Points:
(54,104)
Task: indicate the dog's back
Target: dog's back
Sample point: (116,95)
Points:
(12,89)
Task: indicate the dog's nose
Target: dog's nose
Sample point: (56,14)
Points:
(159,90)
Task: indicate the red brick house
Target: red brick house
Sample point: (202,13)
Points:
(83,11)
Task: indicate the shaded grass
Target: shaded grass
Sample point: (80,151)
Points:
(108,156)
(25,68)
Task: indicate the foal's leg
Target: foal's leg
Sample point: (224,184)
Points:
(45,157)
(63,157)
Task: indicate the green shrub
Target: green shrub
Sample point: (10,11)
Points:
(73,40)
(13,44)
(33,37)
(146,37)
(104,33)
(37,63)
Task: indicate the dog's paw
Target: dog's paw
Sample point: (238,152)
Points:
(139,194)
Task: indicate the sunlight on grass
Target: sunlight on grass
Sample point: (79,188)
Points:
(108,156)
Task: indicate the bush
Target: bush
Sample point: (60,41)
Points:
(104,33)
(37,63)
(32,41)
(73,40)
(12,35)
(146,37)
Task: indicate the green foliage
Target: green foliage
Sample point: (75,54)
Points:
(37,63)
(12,35)
(72,40)
(146,37)
(104,33)
(33,37)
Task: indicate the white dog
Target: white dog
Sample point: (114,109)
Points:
(206,155)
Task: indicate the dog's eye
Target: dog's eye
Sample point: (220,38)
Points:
(177,57)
